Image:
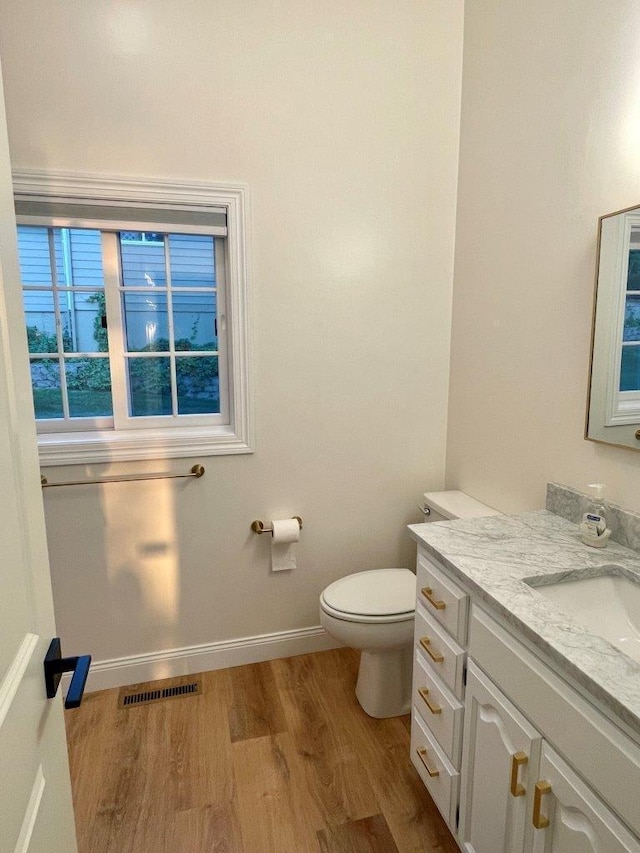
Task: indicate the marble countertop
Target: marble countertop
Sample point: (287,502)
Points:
(492,556)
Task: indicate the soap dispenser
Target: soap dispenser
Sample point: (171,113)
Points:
(593,529)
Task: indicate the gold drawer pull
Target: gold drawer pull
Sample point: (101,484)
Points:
(424,694)
(428,594)
(539,820)
(436,657)
(422,755)
(518,759)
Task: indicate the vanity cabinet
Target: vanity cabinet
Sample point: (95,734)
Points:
(441,624)
(501,749)
(518,794)
(515,758)
(569,815)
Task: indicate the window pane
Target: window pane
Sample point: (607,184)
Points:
(142,262)
(631,331)
(83,317)
(146,322)
(33,251)
(633,280)
(630,369)
(88,387)
(194,319)
(40,320)
(192,260)
(150,387)
(45,382)
(198,385)
(78,257)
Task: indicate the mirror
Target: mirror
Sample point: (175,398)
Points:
(613,408)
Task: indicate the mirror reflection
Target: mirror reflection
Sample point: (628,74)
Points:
(613,412)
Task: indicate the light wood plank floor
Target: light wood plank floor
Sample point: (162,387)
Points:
(276,757)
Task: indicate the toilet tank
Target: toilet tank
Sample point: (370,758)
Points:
(444,506)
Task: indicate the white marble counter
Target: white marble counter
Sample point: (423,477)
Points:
(492,557)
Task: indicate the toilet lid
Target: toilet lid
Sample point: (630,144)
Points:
(379,592)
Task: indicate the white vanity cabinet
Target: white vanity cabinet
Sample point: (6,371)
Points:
(516,759)
(501,749)
(438,684)
(518,794)
(570,817)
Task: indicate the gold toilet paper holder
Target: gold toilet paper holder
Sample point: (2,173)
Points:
(260,527)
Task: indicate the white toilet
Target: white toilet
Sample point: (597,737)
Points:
(374,611)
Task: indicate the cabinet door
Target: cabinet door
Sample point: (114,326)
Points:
(569,818)
(499,749)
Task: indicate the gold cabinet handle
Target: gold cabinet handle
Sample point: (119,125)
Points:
(518,759)
(424,694)
(425,642)
(539,820)
(428,594)
(422,755)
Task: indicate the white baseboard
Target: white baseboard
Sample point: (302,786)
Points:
(186,661)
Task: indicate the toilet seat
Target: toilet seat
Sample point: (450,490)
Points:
(374,596)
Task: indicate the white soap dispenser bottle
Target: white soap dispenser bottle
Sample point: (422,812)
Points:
(593,529)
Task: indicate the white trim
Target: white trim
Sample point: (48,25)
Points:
(109,188)
(86,448)
(15,674)
(119,446)
(135,669)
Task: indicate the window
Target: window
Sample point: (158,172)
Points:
(136,316)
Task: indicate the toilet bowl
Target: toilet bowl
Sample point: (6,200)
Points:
(374,611)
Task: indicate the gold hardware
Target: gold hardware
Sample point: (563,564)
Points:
(196,471)
(517,760)
(422,755)
(260,527)
(436,657)
(428,594)
(424,694)
(539,820)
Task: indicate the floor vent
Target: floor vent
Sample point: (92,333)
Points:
(158,691)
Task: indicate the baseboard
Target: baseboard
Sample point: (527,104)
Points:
(169,662)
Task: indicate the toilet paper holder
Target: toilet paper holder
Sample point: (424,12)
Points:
(260,527)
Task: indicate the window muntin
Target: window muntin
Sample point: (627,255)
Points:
(143,349)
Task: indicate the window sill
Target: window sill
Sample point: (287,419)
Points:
(78,448)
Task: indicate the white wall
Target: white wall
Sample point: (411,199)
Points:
(343,120)
(550,141)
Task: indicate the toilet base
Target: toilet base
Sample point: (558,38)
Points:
(383,688)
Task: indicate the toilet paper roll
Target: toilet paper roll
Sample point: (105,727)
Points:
(286,532)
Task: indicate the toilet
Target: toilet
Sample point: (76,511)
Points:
(374,611)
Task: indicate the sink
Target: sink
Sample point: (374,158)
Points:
(608,605)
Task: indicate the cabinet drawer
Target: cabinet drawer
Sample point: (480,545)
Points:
(439,709)
(441,654)
(442,598)
(439,776)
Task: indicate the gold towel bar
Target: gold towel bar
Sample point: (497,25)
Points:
(196,471)
(260,527)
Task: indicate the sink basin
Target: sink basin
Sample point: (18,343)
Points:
(608,605)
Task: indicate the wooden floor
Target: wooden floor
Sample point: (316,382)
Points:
(276,757)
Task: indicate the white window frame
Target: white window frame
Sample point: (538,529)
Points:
(163,442)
